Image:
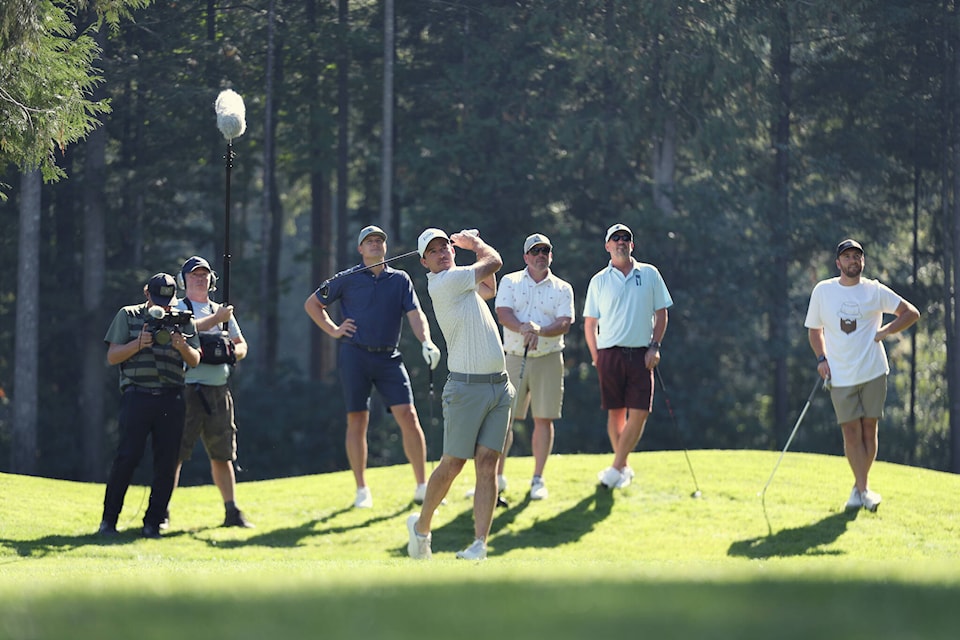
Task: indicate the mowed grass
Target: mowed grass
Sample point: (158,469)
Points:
(647,561)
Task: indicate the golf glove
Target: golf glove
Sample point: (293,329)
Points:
(431,353)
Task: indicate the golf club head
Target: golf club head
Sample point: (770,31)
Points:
(696,494)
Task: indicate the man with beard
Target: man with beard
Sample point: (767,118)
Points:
(624,321)
(846,332)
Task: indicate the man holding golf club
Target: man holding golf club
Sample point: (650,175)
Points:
(846,333)
(536,309)
(624,320)
(477,395)
(373,299)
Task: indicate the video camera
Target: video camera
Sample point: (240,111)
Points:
(162,324)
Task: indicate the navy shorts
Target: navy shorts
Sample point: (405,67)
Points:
(625,381)
(361,371)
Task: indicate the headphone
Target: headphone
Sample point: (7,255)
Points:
(189,266)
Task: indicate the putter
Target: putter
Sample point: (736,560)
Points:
(666,398)
(763,494)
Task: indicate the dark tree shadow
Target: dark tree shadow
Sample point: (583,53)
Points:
(808,540)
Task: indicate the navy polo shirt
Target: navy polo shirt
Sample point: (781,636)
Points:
(376,303)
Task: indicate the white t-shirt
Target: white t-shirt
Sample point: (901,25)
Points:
(541,302)
(471,333)
(850,317)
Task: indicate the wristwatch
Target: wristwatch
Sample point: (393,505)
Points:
(822,358)
(653,345)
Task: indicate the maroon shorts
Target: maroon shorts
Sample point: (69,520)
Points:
(625,381)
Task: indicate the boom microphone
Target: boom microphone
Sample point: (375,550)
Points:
(231,114)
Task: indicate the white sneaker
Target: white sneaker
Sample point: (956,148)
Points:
(538,488)
(626,477)
(501,483)
(610,478)
(476,551)
(419,546)
(420,493)
(363,500)
(871,500)
(854,501)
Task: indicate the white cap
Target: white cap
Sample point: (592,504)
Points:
(615,228)
(427,236)
(534,240)
(367,231)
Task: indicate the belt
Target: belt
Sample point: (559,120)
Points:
(373,349)
(153,391)
(478,378)
(628,348)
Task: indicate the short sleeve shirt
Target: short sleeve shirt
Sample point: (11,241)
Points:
(541,302)
(377,303)
(625,305)
(158,366)
(471,333)
(209,374)
(850,317)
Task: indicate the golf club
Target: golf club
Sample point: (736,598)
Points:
(666,398)
(325,285)
(763,494)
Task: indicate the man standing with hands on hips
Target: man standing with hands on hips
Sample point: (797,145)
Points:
(846,332)
(477,395)
(373,302)
(624,321)
(536,309)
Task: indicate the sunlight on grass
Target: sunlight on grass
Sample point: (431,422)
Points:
(583,562)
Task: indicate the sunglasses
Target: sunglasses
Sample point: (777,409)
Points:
(618,237)
(539,251)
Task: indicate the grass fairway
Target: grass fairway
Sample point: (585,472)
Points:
(647,561)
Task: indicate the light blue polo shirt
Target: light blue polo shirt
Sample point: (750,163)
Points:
(625,305)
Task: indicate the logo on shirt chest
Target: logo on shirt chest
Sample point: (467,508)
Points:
(849,313)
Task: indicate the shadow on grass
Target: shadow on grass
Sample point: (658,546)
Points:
(293,536)
(808,540)
(564,528)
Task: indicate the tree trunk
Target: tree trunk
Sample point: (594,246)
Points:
(343,125)
(23,450)
(953,319)
(272,212)
(386,175)
(94,277)
(779,215)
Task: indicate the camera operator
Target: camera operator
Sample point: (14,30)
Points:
(152,345)
(209,401)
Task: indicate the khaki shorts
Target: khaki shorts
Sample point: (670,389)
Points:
(541,386)
(475,414)
(217,429)
(860,401)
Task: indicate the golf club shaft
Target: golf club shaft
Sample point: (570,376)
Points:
(358,269)
(813,391)
(666,399)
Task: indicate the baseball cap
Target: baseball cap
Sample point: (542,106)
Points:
(615,228)
(194,263)
(370,230)
(427,236)
(848,244)
(162,289)
(535,239)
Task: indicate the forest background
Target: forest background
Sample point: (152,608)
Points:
(739,139)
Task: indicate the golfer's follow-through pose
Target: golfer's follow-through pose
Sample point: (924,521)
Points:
(846,331)
(373,302)
(477,395)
